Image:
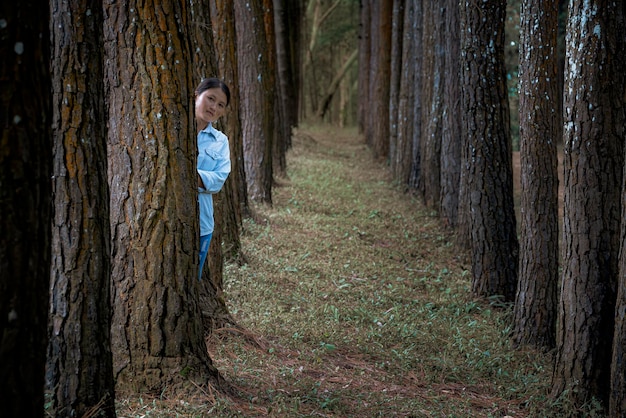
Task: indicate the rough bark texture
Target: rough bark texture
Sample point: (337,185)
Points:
(593,158)
(494,245)
(540,131)
(223,24)
(401,153)
(397,28)
(432,97)
(79,366)
(415,171)
(288,16)
(451,140)
(255,93)
(25,201)
(157,336)
(365,41)
(380,67)
(204,63)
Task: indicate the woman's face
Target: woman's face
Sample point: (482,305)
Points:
(210,106)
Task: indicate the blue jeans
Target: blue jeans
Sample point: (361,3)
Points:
(205,241)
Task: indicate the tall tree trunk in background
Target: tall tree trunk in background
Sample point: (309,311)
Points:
(432,109)
(79,366)
(463,227)
(380,67)
(157,336)
(25,201)
(451,137)
(365,40)
(204,63)
(415,170)
(593,161)
(397,28)
(287,23)
(256,97)
(400,153)
(279,136)
(540,130)
(223,24)
(288,15)
(494,245)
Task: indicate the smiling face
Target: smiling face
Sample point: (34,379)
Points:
(210,106)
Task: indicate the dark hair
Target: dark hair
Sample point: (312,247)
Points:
(211,83)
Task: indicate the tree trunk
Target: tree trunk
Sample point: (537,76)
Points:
(157,337)
(365,40)
(451,140)
(288,15)
(397,28)
(593,161)
(25,201)
(227,223)
(432,109)
(417,26)
(255,93)
(223,24)
(494,245)
(540,130)
(380,67)
(79,365)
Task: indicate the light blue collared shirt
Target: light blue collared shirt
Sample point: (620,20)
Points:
(213,168)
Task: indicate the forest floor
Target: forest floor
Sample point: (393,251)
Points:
(356,302)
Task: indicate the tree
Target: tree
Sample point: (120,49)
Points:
(25,201)
(157,337)
(288,16)
(433,69)
(363,82)
(451,138)
(593,161)
(377,127)
(79,365)
(540,130)
(494,245)
(397,41)
(256,93)
(232,201)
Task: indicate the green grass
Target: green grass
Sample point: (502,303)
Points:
(360,303)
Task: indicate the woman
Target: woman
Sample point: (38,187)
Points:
(212,97)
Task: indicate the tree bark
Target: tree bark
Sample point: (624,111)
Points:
(415,171)
(432,109)
(400,154)
(157,336)
(593,161)
(365,40)
(451,139)
(255,93)
(223,24)
(288,15)
(25,201)
(380,67)
(494,245)
(79,366)
(397,40)
(540,130)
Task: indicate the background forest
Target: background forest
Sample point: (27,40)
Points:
(503,123)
